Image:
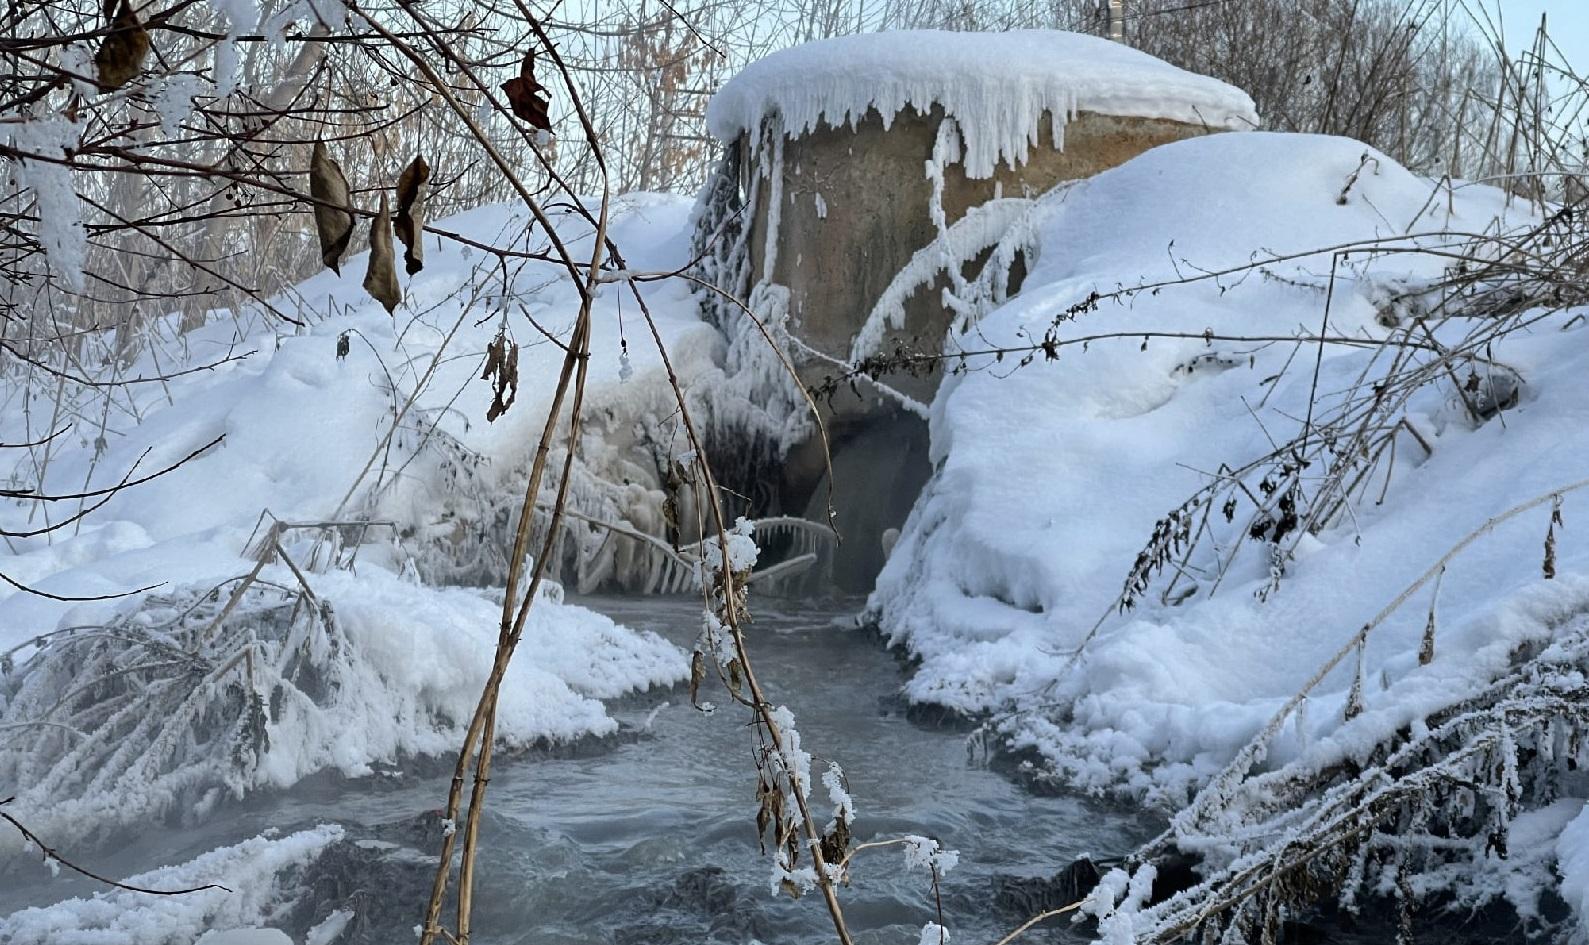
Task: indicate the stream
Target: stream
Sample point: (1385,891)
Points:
(649,836)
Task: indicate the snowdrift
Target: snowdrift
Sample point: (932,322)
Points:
(313,435)
(1044,577)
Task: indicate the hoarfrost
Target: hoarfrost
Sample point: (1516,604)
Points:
(257,872)
(78,60)
(843,804)
(927,853)
(60,226)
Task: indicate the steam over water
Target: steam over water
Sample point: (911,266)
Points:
(650,837)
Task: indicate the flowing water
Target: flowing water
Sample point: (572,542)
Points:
(649,837)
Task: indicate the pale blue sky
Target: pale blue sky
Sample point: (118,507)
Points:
(1567,21)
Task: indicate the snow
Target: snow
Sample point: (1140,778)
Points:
(742,550)
(927,853)
(407,686)
(307,440)
(1572,861)
(998,86)
(1050,478)
(257,872)
(60,223)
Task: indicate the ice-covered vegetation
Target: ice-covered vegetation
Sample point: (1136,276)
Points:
(344,472)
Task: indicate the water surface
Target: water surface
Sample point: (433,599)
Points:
(650,837)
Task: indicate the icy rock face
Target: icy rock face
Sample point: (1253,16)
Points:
(998,86)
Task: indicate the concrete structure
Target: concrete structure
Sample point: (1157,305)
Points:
(846,145)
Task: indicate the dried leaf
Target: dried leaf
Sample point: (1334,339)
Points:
(1354,698)
(333,211)
(1549,566)
(697,676)
(502,369)
(413,186)
(1426,650)
(670,508)
(380,280)
(121,55)
(527,96)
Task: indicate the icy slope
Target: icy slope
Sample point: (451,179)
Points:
(307,439)
(997,86)
(1050,478)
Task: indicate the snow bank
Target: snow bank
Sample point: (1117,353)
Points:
(997,86)
(1572,861)
(312,436)
(257,872)
(394,673)
(1050,479)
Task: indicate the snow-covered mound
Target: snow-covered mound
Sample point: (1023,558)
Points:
(997,86)
(1052,478)
(257,874)
(311,435)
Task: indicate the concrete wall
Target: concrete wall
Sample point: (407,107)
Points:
(837,264)
(876,193)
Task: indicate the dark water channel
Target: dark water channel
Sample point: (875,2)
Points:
(649,837)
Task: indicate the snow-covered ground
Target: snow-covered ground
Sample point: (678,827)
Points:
(306,439)
(1050,478)
(256,875)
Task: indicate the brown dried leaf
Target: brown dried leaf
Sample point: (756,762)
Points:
(1548,568)
(502,369)
(527,96)
(121,55)
(1354,698)
(333,211)
(697,676)
(835,845)
(413,186)
(380,280)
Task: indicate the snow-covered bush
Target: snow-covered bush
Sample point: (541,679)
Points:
(190,697)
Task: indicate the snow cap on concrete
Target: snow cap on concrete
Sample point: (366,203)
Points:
(997,86)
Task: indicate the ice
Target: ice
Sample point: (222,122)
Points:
(997,86)
(257,876)
(310,437)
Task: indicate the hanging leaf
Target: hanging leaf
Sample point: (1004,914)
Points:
(1426,650)
(413,186)
(380,280)
(1354,698)
(121,55)
(502,369)
(333,211)
(697,676)
(527,96)
(1549,566)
